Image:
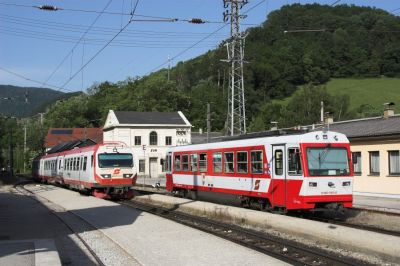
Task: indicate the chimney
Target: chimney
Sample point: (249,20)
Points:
(388,110)
(274,125)
(328,118)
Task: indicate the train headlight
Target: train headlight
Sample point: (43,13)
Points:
(128,175)
(312,184)
(346,184)
(106,176)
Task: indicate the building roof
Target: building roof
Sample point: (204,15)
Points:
(198,138)
(368,127)
(56,136)
(69,145)
(151,118)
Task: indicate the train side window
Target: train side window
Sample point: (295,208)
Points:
(241,161)
(228,159)
(84,163)
(193,162)
(91,161)
(78,165)
(256,162)
(203,162)
(294,162)
(217,162)
(185,162)
(75,163)
(177,162)
(278,162)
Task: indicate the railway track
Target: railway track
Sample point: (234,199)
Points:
(282,249)
(321,218)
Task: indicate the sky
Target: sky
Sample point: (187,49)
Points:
(49,48)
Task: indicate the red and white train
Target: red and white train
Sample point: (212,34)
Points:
(308,171)
(103,170)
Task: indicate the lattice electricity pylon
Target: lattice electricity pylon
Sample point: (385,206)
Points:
(236,118)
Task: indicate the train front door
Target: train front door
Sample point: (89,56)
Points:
(278,176)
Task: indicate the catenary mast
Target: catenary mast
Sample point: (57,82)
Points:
(236,119)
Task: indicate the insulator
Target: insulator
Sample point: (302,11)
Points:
(48,8)
(197,21)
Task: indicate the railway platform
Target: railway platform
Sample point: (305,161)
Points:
(382,204)
(143,238)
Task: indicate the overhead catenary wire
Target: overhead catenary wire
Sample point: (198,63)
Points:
(99,51)
(31,80)
(201,40)
(76,44)
(149,17)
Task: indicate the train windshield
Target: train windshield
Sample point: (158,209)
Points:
(327,161)
(112,160)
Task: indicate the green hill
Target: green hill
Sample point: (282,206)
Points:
(371,91)
(26,101)
(297,46)
(361,91)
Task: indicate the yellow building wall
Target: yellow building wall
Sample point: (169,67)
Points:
(382,184)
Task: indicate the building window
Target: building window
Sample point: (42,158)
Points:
(138,140)
(394,163)
(193,162)
(374,162)
(357,162)
(185,162)
(203,162)
(217,162)
(256,162)
(142,166)
(241,161)
(168,141)
(153,138)
(294,162)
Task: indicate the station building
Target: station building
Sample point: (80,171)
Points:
(150,134)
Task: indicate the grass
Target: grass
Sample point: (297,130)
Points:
(372,91)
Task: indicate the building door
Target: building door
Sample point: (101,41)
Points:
(153,171)
(278,181)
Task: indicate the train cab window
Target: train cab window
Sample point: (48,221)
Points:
(217,162)
(185,162)
(241,161)
(177,162)
(84,163)
(278,162)
(228,162)
(193,162)
(256,162)
(294,162)
(203,162)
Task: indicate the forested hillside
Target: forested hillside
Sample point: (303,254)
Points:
(283,55)
(26,101)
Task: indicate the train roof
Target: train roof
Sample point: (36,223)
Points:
(310,137)
(69,145)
